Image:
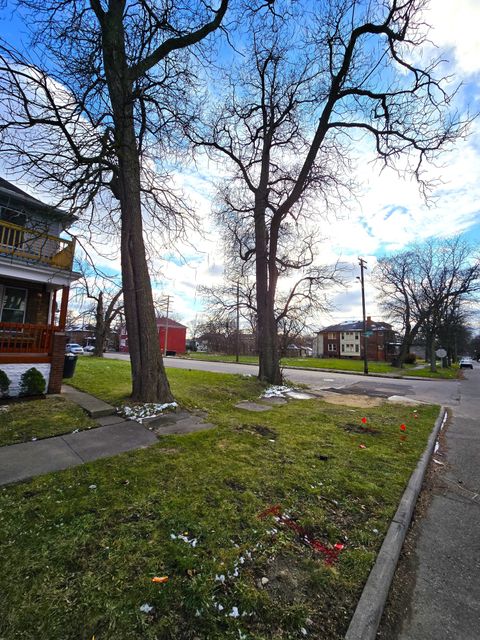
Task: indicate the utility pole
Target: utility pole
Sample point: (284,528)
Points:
(166,328)
(237,355)
(362,264)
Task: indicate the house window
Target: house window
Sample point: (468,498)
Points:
(357,349)
(332,347)
(13,305)
(330,336)
(357,337)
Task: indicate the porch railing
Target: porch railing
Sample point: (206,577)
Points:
(29,244)
(25,338)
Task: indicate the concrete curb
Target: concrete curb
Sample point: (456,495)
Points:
(368,613)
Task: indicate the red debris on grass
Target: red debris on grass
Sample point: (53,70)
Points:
(403,427)
(364,420)
(362,446)
(331,555)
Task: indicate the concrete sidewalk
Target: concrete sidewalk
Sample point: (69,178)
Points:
(444,602)
(30,459)
(114,435)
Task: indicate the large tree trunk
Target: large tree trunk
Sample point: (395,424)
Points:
(268,356)
(149,380)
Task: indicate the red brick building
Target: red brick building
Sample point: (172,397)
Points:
(345,340)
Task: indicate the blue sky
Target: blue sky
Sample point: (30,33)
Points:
(388,213)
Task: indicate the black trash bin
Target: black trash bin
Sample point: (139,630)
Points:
(69,365)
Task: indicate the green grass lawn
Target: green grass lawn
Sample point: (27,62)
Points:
(80,547)
(35,419)
(340,364)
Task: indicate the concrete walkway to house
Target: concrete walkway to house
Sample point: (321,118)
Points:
(114,435)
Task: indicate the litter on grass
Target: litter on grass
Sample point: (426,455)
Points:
(191,541)
(160,579)
(146,608)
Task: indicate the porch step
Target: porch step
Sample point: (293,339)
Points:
(93,406)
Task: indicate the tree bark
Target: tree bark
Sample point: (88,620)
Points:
(267,338)
(149,380)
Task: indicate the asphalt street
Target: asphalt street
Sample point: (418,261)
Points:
(443,392)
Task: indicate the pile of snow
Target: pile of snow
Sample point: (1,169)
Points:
(149,410)
(276,392)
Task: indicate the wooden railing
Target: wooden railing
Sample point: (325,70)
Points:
(29,244)
(25,338)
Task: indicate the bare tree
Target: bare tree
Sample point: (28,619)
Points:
(91,110)
(426,287)
(295,305)
(106,295)
(286,128)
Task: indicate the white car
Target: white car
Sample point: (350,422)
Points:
(73,347)
(89,348)
(466,363)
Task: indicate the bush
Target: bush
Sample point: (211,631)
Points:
(32,383)
(410,358)
(4,383)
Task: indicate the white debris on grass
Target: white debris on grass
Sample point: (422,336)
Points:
(276,392)
(146,608)
(234,613)
(92,486)
(191,541)
(148,410)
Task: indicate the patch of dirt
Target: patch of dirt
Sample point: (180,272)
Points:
(323,457)
(168,450)
(351,400)
(259,429)
(287,578)
(234,484)
(358,428)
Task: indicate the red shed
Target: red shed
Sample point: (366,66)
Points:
(176,335)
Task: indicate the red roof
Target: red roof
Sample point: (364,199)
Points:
(162,322)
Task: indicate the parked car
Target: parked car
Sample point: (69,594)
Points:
(73,347)
(90,348)
(466,363)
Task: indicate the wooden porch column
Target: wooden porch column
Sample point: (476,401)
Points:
(63,308)
(53,307)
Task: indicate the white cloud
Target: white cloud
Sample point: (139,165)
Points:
(455,25)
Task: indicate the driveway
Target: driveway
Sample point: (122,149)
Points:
(444,392)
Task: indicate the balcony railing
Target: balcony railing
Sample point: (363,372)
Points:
(29,244)
(25,338)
